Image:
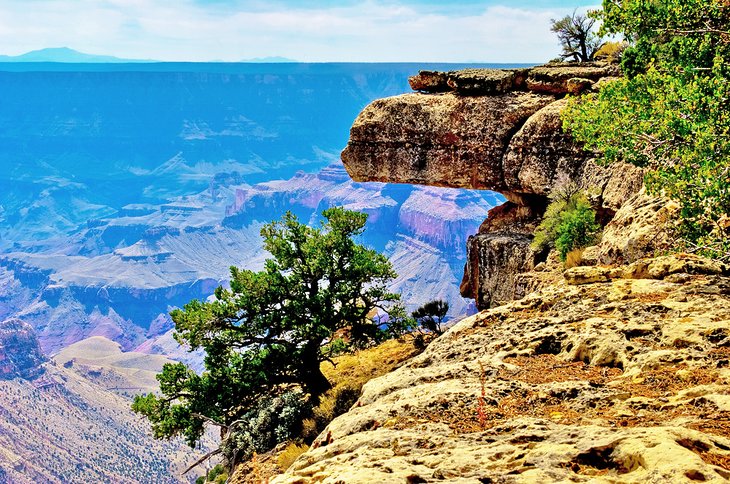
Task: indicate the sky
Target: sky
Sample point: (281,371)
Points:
(507,31)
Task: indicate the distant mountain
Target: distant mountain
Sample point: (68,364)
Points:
(64,54)
(269,60)
(127,191)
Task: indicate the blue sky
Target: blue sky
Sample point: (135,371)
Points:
(305,30)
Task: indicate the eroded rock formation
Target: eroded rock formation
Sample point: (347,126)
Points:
(20,353)
(495,130)
(619,381)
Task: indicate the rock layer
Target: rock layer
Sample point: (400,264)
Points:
(445,140)
(495,130)
(620,381)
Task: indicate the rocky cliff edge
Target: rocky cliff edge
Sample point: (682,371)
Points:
(495,130)
(606,376)
(615,371)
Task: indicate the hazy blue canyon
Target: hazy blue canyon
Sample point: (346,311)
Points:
(128,189)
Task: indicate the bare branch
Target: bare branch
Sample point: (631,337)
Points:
(207,456)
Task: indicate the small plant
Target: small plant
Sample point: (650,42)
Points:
(335,402)
(287,457)
(482,400)
(431,316)
(577,229)
(611,52)
(217,474)
(273,421)
(569,222)
(574,258)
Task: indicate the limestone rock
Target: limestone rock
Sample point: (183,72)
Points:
(540,153)
(499,254)
(444,140)
(614,185)
(577,85)
(665,266)
(641,227)
(623,381)
(430,81)
(587,275)
(505,140)
(483,82)
(557,78)
(493,264)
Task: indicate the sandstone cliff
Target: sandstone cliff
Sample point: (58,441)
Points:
(624,380)
(614,371)
(490,130)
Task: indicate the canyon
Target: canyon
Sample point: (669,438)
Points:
(126,192)
(612,370)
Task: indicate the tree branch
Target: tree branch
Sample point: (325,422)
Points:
(202,459)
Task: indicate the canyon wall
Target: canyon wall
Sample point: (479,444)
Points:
(495,130)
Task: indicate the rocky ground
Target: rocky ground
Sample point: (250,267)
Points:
(608,375)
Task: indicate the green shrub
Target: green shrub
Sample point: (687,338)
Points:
(273,421)
(671,113)
(569,223)
(577,228)
(215,474)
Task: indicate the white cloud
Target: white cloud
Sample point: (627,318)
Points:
(181,30)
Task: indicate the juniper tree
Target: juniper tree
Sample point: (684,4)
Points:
(268,332)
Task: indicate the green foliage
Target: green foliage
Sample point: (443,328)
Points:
(431,315)
(569,223)
(217,471)
(577,229)
(269,333)
(272,421)
(671,113)
(577,37)
(611,52)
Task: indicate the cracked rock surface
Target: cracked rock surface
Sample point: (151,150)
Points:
(617,381)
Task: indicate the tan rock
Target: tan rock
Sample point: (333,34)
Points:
(622,381)
(444,140)
(665,266)
(641,228)
(555,78)
(576,85)
(430,81)
(482,82)
(587,275)
(540,153)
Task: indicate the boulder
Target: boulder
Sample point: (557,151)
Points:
(446,140)
(541,153)
(483,82)
(642,226)
(430,81)
(561,79)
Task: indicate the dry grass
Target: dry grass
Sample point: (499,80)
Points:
(290,453)
(364,365)
(348,375)
(574,258)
